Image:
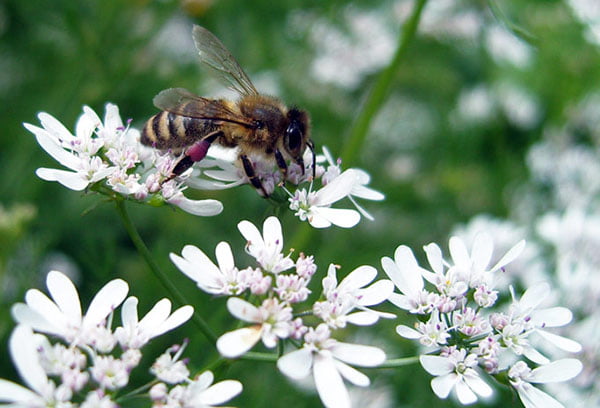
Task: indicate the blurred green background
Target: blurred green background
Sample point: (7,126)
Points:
(476,88)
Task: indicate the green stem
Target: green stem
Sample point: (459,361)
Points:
(135,392)
(399,362)
(158,273)
(381,88)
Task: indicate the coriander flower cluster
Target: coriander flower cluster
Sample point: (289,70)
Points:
(70,359)
(107,157)
(278,312)
(468,334)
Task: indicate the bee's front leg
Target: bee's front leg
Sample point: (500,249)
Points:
(282,166)
(252,177)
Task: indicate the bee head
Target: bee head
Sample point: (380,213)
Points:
(296,135)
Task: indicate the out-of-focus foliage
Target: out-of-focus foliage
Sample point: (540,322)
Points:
(480,84)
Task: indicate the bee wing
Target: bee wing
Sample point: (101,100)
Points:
(182,102)
(217,57)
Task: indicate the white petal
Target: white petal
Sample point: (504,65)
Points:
(477,384)
(155,317)
(235,343)
(196,265)
(561,342)
(251,234)
(337,216)
(329,383)
(532,397)
(23,350)
(481,252)
(359,277)
(224,256)
(69,179)
(220,392)
(535,355)
(363,318)
(129,315)
(551,317)
(534,295)
(459,252)
(112,119)
(53,147)
(11,392)
(54,127)
(367,193)
(442,386)
(296,364)
(105,301)
(243,310)
(465,394)
(46,308)
(510,256)
(556,371)
(411,281)
(64,295)
(87,123)
(203,208)
(402,301)
(272,233)
(23,314)
(357,354)
(436,365)
(434,257)
(408,332)
(352,375)
(177,318)
(337,189)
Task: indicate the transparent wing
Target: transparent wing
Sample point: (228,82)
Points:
(182,102)
(214,54)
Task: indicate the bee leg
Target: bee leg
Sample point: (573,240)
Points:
(282,166)
(194,154)
(252,177)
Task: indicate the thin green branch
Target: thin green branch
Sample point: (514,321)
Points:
(399,362)
(158,273)
(380,90)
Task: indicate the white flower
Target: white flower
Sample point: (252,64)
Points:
(62,316)
(315,206)
(432,333)
(224,279)
(273,321)
(524,312)
(97,399)
(135,333)
(359,189)
(110,372)
(41,392)
(73,152)
(328,361)
(456,371)
(473,267)
(406,274)
(169,368)
(266,248)
(202,393)
(521,377)
(351,294)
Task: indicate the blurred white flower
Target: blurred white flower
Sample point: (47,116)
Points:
(329,360)
(521,377)
(169,368)
(350,294)
(62,315)
(272,321)
(315,206)
(456,371)
(199,393)
(136,333)
(266,248)
(41,392)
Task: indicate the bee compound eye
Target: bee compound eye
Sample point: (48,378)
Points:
(293,136)
(259,124)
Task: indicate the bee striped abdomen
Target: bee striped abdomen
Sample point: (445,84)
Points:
(167,130)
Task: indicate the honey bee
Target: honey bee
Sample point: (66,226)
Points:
(258,125)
